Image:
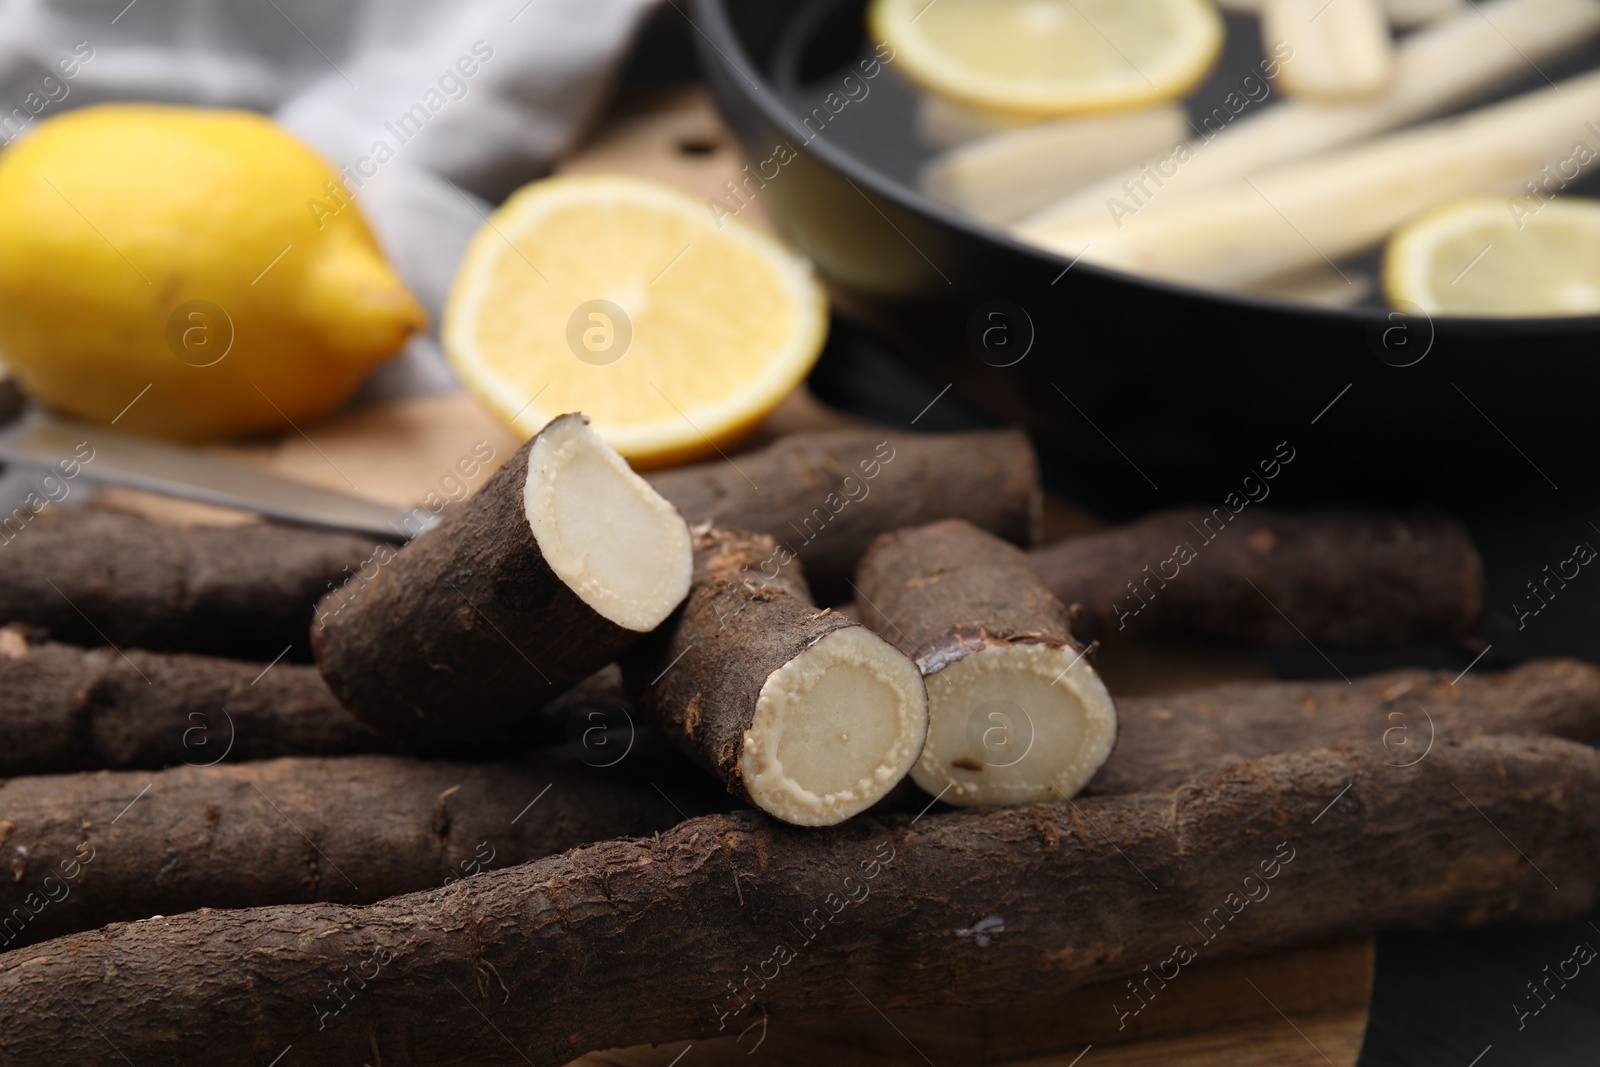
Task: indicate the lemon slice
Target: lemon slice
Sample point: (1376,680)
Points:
(673,330)
(1486,256)
(1051,57)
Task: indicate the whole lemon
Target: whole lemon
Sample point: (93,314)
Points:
(188,273)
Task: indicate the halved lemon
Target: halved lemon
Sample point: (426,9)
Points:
(1051,57)
(674,327)
(1489,256)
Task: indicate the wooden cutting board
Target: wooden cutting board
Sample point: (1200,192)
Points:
(1215,1015)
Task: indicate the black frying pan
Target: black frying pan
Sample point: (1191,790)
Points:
(1142,392)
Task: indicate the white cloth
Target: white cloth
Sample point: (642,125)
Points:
(471,97)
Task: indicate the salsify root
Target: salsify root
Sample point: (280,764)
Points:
(1353,579)
(728,919)
(91,577)
(65,708)
(803,713)
(561,560)
(1015,711)
(82,850)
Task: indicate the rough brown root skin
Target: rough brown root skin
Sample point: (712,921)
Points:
(1269,855)
(1016,714)
(80,851)
(65,708)
(1353,579)
(803,713)
(240,591)
(826,495)
(563,559)
(1394,718)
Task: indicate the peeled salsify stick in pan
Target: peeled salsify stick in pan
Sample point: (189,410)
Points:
(1005,176)
(1342,50)
(1402,14)
(1015,712)
(1462,57)
(946,123)
(1338,204)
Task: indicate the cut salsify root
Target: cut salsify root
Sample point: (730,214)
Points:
(560,562)
(1015,712)
(805,714)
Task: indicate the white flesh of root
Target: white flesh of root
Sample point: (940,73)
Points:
(603,530)
(1015,724)
(835,729)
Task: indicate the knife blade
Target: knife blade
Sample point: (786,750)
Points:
(37,439)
